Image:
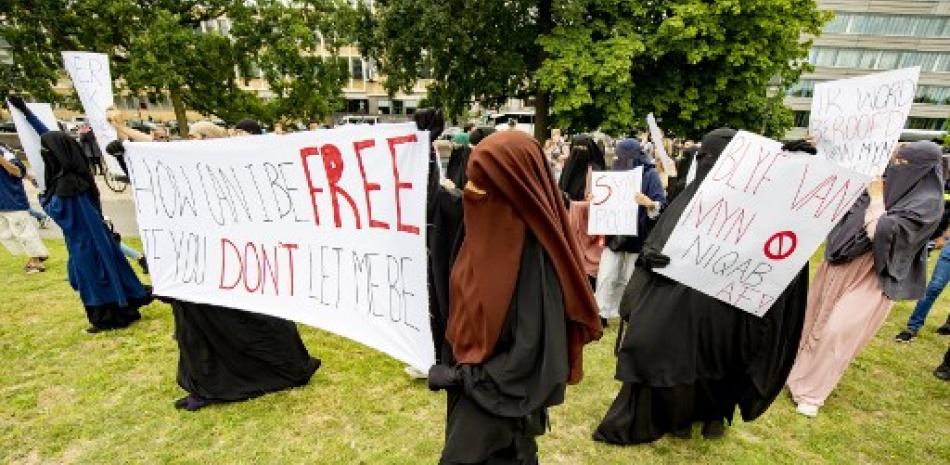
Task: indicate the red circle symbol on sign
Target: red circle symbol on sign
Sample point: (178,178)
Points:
(781,245)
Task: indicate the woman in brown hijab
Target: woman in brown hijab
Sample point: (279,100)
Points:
(521,307)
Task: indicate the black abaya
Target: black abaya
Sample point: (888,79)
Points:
(445,237)
(230,355)
(501,405)
(689,357)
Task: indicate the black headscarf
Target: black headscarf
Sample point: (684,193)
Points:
(66,171)
(478,134)
(913,203)
(458,161)
(585,155)
(430,119)
(713,144)
(249,126)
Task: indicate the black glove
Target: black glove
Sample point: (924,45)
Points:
(652,259)
(17,102)
(442,377)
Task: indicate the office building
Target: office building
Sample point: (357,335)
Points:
(868,36)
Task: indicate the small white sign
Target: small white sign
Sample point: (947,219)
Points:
(857,122)
(29,138)
(613,210)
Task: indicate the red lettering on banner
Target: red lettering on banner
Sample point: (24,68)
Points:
(368,187)
(824,191)
(610,191)
(393,142)
(224,267)
(306,153)
(333,165)
(260,261)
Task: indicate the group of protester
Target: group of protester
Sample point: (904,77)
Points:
(687,357)
(518,288)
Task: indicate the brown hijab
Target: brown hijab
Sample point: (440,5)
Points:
(520,195)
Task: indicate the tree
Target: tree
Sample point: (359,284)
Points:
(695,64)
(486,50)
(300,64)
(156,46)
(602,63)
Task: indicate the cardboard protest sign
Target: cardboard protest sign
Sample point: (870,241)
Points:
(658,148)
(30,139)
(613,210)
(856,122)
(756,219)
(93,82)
(326,228)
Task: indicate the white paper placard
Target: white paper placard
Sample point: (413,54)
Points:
(30,139)
(658,148)
(613,210)
(857,122)
(93,82)
(325,227)
(756,219)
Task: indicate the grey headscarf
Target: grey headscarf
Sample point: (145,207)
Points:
(913,200)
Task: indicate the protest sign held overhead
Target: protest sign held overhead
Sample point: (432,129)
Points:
(658,148)
(757,218)
(857,122)
(613,210)
(326,228)
(30,140)
(93,82)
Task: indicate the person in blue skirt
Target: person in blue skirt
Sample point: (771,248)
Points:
(110,291)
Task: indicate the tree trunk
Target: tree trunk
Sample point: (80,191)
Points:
(180,116)
(541,116)
(541,98)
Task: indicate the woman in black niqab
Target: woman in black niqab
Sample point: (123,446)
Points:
(110,291)
(688,357)
(585,155)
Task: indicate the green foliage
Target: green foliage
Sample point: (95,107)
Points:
(696,64)
(472,50)
(156,46)
(73,398)
(605,64)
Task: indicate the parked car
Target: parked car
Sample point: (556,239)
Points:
(7,126)
(358,119)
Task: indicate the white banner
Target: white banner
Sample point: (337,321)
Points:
(326,228)
(756,219)
(658,148)
(856,122)
(613,210)
(93,82)
(30,139)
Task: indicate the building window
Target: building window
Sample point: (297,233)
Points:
(398,107)
(801,118)
(804,88)
(889,25)
(935,95)
(359,106)
(356,68)
(926,124)
(856,58)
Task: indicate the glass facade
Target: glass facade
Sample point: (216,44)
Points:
(889,25)
(936,95)
(870,59)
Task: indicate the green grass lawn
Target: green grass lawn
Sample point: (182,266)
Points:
(70,397)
